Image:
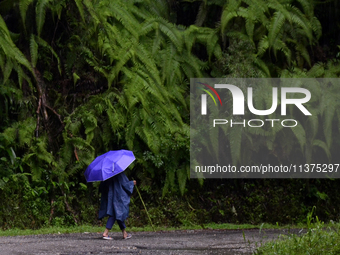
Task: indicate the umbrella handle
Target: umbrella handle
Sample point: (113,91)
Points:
(145,208)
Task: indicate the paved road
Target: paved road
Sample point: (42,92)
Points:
(169,242)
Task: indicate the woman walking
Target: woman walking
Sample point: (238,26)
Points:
(115,200)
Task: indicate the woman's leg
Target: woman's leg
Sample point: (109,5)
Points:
(121,224)
(122,228)
(109,225)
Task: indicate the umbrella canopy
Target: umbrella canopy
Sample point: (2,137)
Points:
(108,165)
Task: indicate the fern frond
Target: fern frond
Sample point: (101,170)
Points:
(300,48)
(123,16)
(80,9)
(201,15)
(330,105)
(229,12)
(235,139)
(263,66)
(168,29)
(40,12)
(124,55)
(22,76)
(317,70)
(23,6)
(9,48)
(26,130)
(181,178)
(7,71)
(300,135)
(169,182)
(45,44)
(316,27)
(280,45)
(90,124)
(250,25)
(280,7)
(306,7)
(276,25)
(91,9)
(263,45)
(299,19)
(2,59)
(33,51)
(323,146)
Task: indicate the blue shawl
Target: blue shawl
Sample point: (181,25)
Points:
(115,197)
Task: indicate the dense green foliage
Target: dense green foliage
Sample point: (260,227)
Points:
(79,78)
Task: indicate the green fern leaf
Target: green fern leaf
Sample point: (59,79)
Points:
(280,45)
(80,9)
(34,51)
(323,146)
(45,44)
(317,70)
(263,66)
(7,71)
(275,28)
(328,114)
(229,12)
(299,19)
(23,6)
(307,7)
(9,48)
(40,12)
(235,139)
(201,15)
(263,45)
(182,178)
(316,27)
(304,52)
(300,135)
(169,182)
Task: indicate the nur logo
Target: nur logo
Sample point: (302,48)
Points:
(204,97)
(239,99)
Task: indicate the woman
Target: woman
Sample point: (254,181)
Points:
(115,200)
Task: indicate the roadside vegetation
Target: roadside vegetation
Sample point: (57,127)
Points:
(79,78)
(319,239)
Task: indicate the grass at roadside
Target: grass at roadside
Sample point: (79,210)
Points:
(319,239)
(95,229)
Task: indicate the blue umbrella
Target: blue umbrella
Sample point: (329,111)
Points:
(108,165)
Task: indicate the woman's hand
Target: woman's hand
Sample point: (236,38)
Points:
(134,182)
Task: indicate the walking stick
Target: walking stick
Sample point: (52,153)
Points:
(145,208)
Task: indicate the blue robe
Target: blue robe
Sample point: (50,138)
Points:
(115,198)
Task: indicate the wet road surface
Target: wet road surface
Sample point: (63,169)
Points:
(167,242)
